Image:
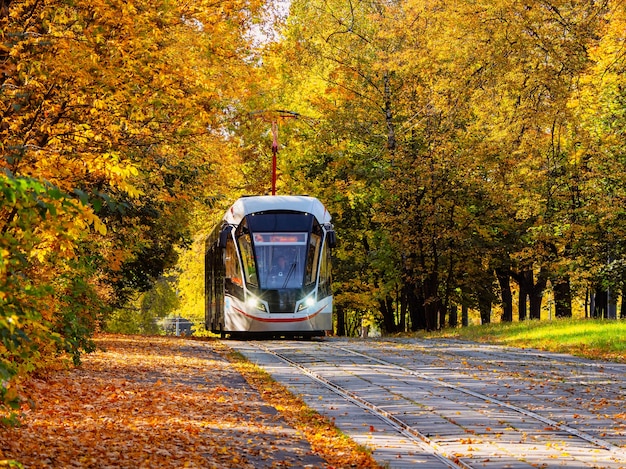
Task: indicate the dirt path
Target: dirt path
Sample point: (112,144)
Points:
(155,402)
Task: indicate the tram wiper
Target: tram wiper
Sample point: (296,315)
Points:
(291,271)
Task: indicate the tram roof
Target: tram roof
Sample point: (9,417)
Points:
(264,203)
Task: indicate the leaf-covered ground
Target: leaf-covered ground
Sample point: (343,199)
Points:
(145,402)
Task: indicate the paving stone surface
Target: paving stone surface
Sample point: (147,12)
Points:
(450,392)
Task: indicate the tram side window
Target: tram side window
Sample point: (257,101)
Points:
(247,256)
(209,288)
(325,273)
(312,259)
(217,288)
(233,270)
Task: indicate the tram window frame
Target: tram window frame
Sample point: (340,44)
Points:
(325,283)
(218,272)
(214,278)
(313,254)
(233,283)
(247,254)
(279,221)
(248,259)
(209,286)
(269,247)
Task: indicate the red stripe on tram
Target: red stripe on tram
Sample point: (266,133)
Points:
(256,318)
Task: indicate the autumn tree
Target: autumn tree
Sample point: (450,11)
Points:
(599,155)
(324,44)
(546,47)
(389,149)
(115,124)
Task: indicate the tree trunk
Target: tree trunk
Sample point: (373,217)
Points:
(611,305)
(600,309)
(536,292)
(454,315)
(442,315)
(622,309)
(522,303)
(562,297)
(524,292)
(386,309)
(432,302)
(504,280)
(464,316)
(446,306)
(415,303)
(484,305)
(341,321)
(402,306)
(535,304)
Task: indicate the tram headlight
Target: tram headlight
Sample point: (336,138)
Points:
(253,302)
(308,301)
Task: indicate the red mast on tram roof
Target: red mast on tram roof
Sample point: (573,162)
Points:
(274,115)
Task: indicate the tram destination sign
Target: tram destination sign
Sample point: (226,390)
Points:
(279,238)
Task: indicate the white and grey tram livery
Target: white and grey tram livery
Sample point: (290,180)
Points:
(267,268)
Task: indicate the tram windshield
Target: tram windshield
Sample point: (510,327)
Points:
(279,250)
(281,259)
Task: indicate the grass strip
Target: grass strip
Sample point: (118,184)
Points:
(589,338)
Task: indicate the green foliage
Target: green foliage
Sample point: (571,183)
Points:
(24,327)
(75,327)
(130,320)
(144,315)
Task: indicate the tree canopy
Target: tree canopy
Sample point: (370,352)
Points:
(462,145)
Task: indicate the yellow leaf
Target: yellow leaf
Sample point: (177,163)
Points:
(99,226)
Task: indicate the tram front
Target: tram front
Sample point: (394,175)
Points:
(286,273)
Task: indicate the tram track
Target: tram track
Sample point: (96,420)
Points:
(402,427)
(572,431)
(490,354)
(375,367)
(547,357)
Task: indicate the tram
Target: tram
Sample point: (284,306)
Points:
(268,269)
